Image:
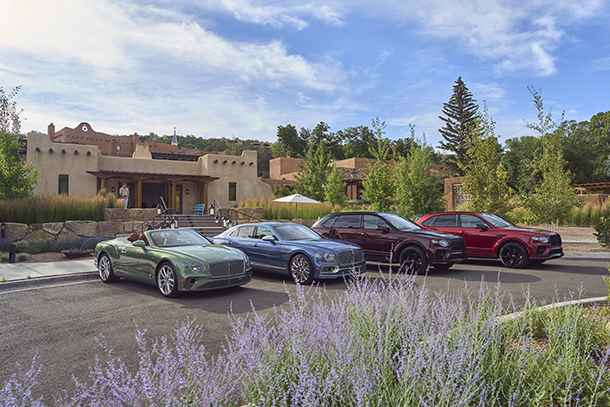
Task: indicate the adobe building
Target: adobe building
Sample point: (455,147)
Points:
(82,161)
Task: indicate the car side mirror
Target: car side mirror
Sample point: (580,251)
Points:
(383,228)
(482,226)
(139,243)
(269,238)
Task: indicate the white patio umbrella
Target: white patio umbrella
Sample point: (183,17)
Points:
(297,199)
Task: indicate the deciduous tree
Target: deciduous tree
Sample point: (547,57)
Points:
(486,180)
(311,177)
(379,188)
(335,187)
(418,190)
(553,197)
(17,179)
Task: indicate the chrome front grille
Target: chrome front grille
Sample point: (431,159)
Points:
(227,268)
(353,256)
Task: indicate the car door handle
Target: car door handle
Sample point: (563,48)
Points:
(254,244)
(123,251)
(364,234)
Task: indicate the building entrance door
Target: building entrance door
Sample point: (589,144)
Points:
(151,194)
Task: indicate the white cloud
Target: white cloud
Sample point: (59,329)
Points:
(279,13)
(602,64)
(513,35)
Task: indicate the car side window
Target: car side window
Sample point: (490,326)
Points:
(470,221)
(348,221)
(371,222)
(246,232)
(447,221)
(429,221)
(263,231)
(328,223)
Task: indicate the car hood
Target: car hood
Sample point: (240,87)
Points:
(532,232)
(210,253)
(431,233)
(324,245)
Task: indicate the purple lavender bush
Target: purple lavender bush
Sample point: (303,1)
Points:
(384,342)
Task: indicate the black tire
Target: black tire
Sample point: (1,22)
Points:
(513,255)
(300,269)
(442,266)
(167,282)
(104,269)
(413,260)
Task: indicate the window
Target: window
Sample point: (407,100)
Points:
(470,221)
(447,221)
(63,184)
(232,191)
(262,232)
(348,221)
(246,232)
(371,222)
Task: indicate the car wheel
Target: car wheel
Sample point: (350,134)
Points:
(513,255)
(104,269)
(413,260)
(300,269)
(167,281)
(442,266)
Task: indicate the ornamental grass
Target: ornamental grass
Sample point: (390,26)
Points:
(383,342)
(53,208)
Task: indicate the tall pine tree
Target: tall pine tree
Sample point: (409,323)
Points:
(459,115)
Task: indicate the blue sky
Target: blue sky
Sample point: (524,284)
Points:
(240,68)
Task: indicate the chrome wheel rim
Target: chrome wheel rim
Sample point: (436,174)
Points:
(166,280)
(104,268)
(300,269)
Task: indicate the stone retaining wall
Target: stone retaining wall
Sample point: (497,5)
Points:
(119,222)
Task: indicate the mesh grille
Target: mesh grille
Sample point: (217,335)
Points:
(225,283)
(555,240)
(226,269)
(352,256)
(458,244)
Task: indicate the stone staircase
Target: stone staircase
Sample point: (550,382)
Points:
(203,224)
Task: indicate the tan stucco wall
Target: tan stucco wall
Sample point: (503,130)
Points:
(239,169)
(54,159)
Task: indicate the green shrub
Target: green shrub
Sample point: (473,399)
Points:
(602,231)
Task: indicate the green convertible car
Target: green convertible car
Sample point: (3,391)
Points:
(174,260)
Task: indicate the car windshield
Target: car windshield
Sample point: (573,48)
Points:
(399,222)
(177,237)
(496,221)
(296,232)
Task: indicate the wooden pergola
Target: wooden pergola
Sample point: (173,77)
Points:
(593,188)
(170,179)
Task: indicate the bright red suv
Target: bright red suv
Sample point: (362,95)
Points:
(490,236)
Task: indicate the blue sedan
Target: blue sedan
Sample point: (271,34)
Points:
(294,249)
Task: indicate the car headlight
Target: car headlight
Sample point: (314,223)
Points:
(197,267)
(442,242)
(541,239)
(328,256)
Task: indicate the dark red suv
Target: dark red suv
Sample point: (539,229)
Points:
(490,236)
(386,237)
